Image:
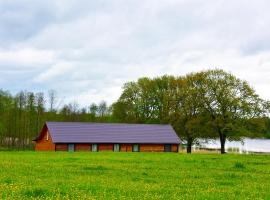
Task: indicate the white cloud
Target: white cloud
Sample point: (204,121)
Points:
(25,57)
(52,74)
(87,50)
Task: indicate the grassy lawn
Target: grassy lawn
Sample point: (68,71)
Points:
(26,175)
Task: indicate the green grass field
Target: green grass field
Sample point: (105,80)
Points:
(26,175)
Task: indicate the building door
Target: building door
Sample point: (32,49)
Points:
(71,147)
(167,148)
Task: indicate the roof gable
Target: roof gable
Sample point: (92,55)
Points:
(76,132)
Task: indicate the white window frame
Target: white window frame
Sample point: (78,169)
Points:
(73,147)
(94,149)
(116,147)
(138,150)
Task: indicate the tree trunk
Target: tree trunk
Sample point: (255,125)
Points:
(189,145)
(222,142)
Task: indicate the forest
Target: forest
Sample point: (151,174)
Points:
(206,104)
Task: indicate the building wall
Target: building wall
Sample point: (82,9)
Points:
(126,147)
(151,147)
(61,147)
(45,143)
(82,147)
(174,147)
(143,147)
(105,147)
(48,145)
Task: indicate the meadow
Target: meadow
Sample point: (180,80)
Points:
(108,175)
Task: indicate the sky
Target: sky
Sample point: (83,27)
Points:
(87,50)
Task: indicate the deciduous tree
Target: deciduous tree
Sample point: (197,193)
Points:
(230,103)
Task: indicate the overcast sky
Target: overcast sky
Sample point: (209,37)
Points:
(86,50)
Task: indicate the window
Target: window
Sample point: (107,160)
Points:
(116,147)
(135,148)
(71,147)
(94,147)
(47,136)
(167,147)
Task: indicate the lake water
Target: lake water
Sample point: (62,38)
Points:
(247,146)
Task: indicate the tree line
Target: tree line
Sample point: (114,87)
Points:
(23,115)
(208,104)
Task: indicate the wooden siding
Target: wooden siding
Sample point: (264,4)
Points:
(61,147)
(174,147)
(45,143)
(126,147)
(105,147)
(82,147)
(151,147)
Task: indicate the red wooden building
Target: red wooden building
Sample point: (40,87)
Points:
(73,136)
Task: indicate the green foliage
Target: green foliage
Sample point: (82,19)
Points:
(267,129)
(207,104)
(119,110)
(23,115)
(108,175)
(232,104)
(145,101)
